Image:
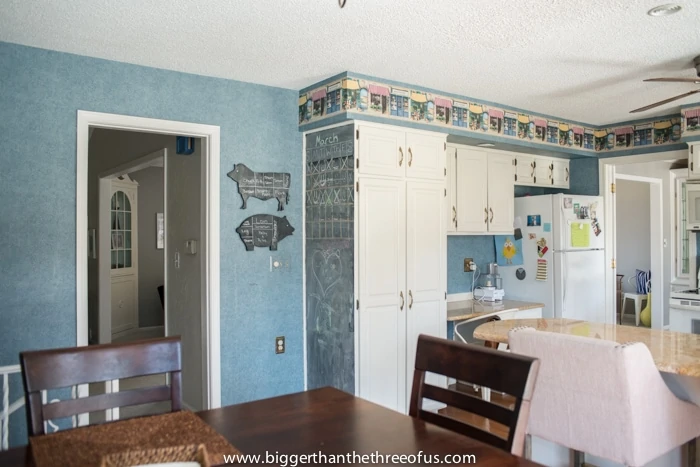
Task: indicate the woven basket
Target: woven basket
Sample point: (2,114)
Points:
(191,453)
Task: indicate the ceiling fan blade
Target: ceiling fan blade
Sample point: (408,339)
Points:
(675,80)
(665,101)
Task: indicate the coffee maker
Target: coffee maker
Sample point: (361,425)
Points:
(490,288)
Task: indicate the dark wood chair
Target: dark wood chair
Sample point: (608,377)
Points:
(62,368)
(498,370)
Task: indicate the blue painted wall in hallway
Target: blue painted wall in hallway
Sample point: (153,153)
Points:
(40,94)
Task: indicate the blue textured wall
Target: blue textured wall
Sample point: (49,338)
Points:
(40,94)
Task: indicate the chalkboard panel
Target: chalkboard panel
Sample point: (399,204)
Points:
(330,201)
(329,314)
(261,185)
(263,230)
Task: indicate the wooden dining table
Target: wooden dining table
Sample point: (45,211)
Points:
(331,422)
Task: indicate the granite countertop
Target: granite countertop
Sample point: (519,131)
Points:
(469,309)
(673,352)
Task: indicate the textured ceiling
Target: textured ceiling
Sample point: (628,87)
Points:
(582,61)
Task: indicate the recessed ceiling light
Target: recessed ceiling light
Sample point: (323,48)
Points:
(664,10)
(485,145)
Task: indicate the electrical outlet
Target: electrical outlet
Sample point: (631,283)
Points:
(279,344)
(468,262)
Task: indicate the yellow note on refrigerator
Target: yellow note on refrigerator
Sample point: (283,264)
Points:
(580,235)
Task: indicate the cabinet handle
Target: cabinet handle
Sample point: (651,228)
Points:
(691,166)
(486,211)
(567,174)
(532,174)
(551,171)
(401,158)
(410,296)
(491,221)
(402,301)
(410,156)
(454,214)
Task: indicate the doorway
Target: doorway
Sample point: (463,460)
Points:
(623,171)
(207,246)
(633,251)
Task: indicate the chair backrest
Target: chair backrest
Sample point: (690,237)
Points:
(602,398)
(500,371)
(61,368)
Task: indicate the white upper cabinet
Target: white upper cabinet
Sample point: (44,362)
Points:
(426,156)
(541,171)
(472,194)
(389,151)
(560,173)
(500,194)
(382,151)
(524,169)
(482,181)
(694,161)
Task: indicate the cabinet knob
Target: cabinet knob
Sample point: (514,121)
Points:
(402,300)
(400,156)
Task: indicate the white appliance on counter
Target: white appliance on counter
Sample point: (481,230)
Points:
(571,280)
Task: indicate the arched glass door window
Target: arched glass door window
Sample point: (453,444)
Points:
(121,230)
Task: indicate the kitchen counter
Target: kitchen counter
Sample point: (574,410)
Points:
(470,309)
(673,352)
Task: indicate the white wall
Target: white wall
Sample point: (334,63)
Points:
(183,222)
(633,236)
(151,269)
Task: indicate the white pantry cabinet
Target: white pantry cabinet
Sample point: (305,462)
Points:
(389,151)
(482,181)
(401,259)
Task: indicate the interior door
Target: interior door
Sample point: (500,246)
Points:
(425,269)
(383,301)
(500,193)
(382,151)
(183,271)
(426,156)
(472,201)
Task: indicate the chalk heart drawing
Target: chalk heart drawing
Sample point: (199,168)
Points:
(327,268)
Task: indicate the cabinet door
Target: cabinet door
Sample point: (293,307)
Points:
(524,169)
(451,187)
(381,151)
(560,173)
(500,194)
(543,171)
(426,156)
(124,310)
(472,202)
(426,254)
(694,161)
(383,301)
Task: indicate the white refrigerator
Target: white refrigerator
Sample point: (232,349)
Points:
(563,256)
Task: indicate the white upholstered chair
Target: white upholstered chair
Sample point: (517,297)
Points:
(602,398)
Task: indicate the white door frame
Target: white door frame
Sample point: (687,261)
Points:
(656,239)
(211,249)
